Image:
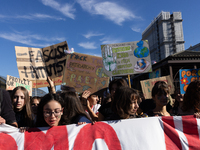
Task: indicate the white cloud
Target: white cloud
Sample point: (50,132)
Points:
(87,45)
(91,34)
(93,54)
(39,16)
(109,40)
(110,10)
(30,39)
(2,16)
(32,17)
(65,9)
(136,29)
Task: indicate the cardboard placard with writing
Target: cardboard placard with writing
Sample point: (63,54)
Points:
(55,59)
(84,72)
(13,82)
(186,76)
(44,83)
(30,63)
(126,58)
(37,63)
(147,85)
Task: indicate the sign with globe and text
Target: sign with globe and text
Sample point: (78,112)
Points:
(126,58)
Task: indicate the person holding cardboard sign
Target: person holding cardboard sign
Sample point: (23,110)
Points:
(89,102)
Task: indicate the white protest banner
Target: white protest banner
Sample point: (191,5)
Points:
(126,58)
(153,133)
(13,82)
(147,85)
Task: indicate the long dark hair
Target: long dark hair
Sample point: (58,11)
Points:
(73,107)
(27,108)
(191,98)
(40,122)
(122,101)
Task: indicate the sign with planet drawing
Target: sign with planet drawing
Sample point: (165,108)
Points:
(126,58)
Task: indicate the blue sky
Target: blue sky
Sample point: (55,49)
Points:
(84,24)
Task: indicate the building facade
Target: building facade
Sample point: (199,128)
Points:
(195,48)
(165,35)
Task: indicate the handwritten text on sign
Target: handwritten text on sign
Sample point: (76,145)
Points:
(187,76)
(44,83)
(55,59)
(85,72)
(30,63)
(126,58)
(147,85)
(37,64)
(13,82)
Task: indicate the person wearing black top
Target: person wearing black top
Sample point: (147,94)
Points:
(7,114)
(105,111)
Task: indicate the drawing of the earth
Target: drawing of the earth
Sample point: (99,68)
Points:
(141,63)
(141,51)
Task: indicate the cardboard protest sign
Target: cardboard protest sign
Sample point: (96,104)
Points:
(186,76)
(13,82)
(37,63)
(84,72)
(44,83)
(126,58)
(147,85)
(55,59)
(30,63)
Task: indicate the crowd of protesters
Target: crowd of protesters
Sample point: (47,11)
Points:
(122,102)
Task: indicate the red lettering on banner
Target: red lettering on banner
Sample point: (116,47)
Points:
(99,130)
(7,142)
(190,131)
(172,140)
(55,136)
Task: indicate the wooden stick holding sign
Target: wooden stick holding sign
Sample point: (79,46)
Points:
(129,80)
